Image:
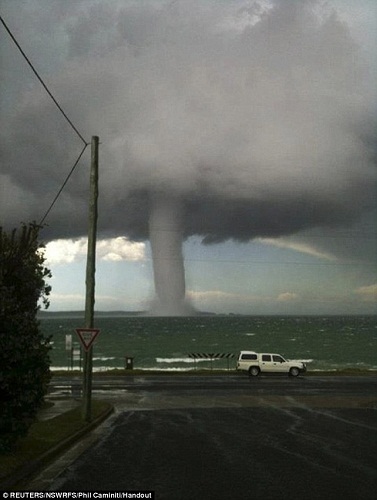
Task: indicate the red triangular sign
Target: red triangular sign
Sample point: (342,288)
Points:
(87,336)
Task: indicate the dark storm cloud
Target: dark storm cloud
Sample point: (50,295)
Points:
(258,128)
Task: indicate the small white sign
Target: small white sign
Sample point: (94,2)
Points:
(68,342)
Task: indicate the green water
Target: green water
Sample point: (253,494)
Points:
(165,343)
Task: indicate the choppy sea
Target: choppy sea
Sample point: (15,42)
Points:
(167,343)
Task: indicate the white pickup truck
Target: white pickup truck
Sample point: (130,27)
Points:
(255,363)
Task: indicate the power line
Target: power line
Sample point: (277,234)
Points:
(62,112)
(245,230)
(63,185)
(41,81)
(253,262)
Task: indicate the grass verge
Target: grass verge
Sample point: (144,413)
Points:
(46,439)
(139,372)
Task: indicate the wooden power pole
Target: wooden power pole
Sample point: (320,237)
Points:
(90,278)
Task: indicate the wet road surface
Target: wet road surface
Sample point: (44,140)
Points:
(231,437)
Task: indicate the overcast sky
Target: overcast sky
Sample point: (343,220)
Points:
(259,116)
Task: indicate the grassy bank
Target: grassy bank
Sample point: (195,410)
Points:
(45,440)
(138,372)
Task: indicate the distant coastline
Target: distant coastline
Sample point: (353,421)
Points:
(81,314)
(111,314)
(123,314)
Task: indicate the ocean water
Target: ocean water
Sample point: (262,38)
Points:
(165,343)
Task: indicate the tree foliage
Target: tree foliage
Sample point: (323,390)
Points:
(24,351)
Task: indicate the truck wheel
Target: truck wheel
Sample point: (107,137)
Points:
(293,372)
(254,371)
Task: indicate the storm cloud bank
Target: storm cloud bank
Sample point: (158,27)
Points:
(259,117)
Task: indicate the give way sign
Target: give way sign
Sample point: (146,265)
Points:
(87,336)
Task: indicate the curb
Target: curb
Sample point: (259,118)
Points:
(25,472)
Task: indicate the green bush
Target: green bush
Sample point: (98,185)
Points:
(24,358)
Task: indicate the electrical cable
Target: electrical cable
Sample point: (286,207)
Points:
(62,112)
(63,186)
(41,81)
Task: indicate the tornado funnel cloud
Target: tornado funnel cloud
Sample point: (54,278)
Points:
(166,238)
(221,123)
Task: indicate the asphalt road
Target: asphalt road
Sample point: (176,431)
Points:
(231,438)
(237,382)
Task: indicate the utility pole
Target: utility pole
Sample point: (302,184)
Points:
(90,278)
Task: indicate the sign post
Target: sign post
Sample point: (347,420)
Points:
(90,282)
(69,348)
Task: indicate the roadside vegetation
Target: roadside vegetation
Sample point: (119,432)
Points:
(45,436)
(24,351)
